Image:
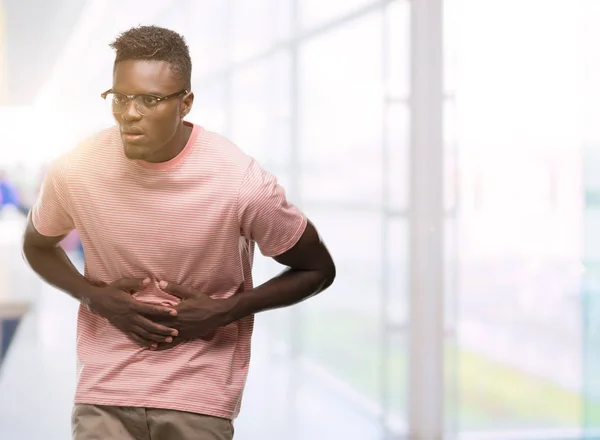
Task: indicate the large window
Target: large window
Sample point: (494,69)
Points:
(257,26)
(519,219)
(205,25)
(261,111)
(342,130)
(313,13)
(591,216)
(320,93)
(341,114)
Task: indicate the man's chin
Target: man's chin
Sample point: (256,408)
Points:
(136,152)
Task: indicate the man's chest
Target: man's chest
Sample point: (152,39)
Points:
(133,222)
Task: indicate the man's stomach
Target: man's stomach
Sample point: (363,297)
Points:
(205,375)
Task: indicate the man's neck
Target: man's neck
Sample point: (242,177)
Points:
(175,146)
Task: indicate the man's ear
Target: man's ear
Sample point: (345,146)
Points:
(186,104)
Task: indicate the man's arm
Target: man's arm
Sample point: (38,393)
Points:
(268,219)
(48,222)
(310,271)
(113,302)
(52,264)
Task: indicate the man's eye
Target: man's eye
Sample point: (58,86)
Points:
(119,99)
(150,101)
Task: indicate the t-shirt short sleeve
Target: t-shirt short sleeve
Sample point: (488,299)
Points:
(51,214)
(265,215)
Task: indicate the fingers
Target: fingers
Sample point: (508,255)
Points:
(141,341)
(152,337)
(153,327)
(131,285)
(177,290)
(166,346)
(154,310)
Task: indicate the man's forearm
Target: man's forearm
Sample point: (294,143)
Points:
(54,266)
(288,288)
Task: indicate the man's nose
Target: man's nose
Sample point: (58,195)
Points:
(131,113)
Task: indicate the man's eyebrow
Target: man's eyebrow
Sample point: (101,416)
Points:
(153,93)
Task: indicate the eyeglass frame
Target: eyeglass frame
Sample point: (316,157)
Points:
(132,97)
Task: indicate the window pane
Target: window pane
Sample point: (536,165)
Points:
(397,19)
(260,120)
(398,155)
(397,383)
(591,330)
(325,410)
(397,273)
(451,383)
(451,35)
(451,170)
(209,106)
(591,184)
(451,272)
(342,327)
(520,218)
(341,114)
(258,25)
(591,71)
(519,314)
(206,34)
(591,259)
(317,12)
(518,293)
(173,17)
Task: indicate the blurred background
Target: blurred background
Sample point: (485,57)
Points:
(447,150)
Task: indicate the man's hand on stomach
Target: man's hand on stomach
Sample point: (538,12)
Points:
(198,315)
(141,322)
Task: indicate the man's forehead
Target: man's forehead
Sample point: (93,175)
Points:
(145,76)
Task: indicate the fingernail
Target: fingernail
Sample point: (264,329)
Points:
(153,347)
(146,281)
(162,284)
(173,312)
(169,339)
(174,332)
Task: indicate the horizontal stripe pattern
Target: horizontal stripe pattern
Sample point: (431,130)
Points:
(194,221)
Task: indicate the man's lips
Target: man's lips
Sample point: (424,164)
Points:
(132,134)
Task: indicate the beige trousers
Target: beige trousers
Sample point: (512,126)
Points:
(95,422)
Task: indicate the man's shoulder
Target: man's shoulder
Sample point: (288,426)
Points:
(94,142)
(97,142)
(223,150)
(88,150)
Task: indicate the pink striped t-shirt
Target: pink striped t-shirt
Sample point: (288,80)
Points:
(193,221)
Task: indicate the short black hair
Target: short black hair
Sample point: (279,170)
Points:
(156,44)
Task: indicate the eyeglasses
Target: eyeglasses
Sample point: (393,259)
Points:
(143,103)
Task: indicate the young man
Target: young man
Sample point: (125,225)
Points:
(168,214)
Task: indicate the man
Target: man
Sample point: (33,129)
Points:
(168,214)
